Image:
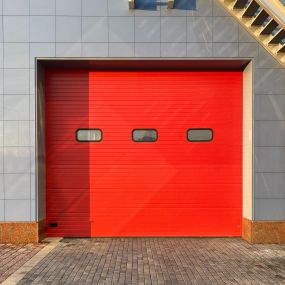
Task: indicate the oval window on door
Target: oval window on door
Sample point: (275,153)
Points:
(144,135)
(89,135)
(200,135)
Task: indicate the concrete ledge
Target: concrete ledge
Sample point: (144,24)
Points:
(22,232)
(263,231)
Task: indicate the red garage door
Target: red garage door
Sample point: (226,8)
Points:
(164,157)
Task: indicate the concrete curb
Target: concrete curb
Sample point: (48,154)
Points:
(23,270)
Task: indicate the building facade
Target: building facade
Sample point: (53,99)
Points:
(37,36)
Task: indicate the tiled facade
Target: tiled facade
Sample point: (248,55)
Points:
(107,28)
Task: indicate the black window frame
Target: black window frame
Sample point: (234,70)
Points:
(147,129)
(199,129)
(90,129)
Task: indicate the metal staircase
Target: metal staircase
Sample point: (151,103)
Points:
(265,20)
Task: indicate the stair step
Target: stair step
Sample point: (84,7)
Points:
(278,37)
(270,27)
(281,50)
(240,4)
(277,48)
(251,9)
(260,18)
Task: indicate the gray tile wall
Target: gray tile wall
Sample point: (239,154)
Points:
(102,28)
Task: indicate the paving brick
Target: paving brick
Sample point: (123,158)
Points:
(144,261)
(12,257)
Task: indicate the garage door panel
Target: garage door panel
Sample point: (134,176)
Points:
(107,158)
(187,196)
(70,202)
(169,187)
(110,159)
(149,156)
(180,221)
(76,225)
(187,83)
(73,180)
(71,190)
(170,174)
(157,156)
(127,109)
(132,118)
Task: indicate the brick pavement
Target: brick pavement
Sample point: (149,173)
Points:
(146,261)
(13,257)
